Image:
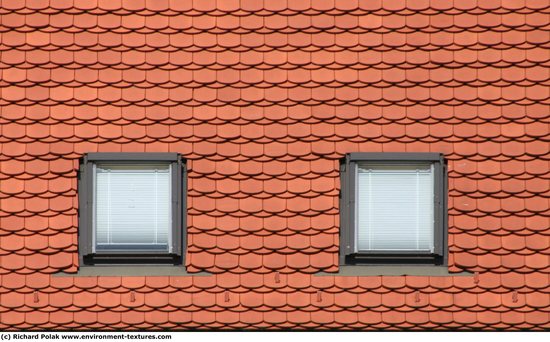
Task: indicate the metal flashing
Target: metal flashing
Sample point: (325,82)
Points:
(131,271)
(394,270)
(132,156)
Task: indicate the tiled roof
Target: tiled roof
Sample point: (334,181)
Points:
(262,99)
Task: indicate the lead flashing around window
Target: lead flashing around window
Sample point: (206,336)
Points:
(414,270)
(132,156)
(396,156)
(131,271)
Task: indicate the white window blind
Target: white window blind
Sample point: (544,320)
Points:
(395,207)
(132,207)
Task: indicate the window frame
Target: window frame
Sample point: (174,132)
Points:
(348,193)
(86,210)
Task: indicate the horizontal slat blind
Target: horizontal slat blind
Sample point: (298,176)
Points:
(132,207)
(395,207)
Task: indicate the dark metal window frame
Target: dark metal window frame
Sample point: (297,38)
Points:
(86,203)
(348,169)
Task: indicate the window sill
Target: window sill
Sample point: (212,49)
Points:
(390,270)
(131,271)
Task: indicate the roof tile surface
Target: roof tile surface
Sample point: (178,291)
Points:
(262,99)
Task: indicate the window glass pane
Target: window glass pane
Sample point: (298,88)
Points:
(132,207)
(395,207)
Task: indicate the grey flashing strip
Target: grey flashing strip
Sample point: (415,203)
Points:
(432,271)
(131,271)
(395,156)
(132,156)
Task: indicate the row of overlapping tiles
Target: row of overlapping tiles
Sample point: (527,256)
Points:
(188,57)
(230,6)
(275,320)
(492,300)
(486,292)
